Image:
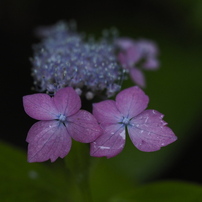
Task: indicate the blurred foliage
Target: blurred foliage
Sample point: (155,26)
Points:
(22,181)
(162,191)
(36,182)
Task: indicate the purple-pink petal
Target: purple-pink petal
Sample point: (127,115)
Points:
(149,132)
(40,106)
(129,57)
(147,48)
(131,101)
(124,43)
(48,140)
(67,101)
(151,64)
(123,60)
(137,76)
(129,52)
(83,127)
(110,143)
(106,112)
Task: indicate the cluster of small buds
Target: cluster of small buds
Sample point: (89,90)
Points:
(66,58)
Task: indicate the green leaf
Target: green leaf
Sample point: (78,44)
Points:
(23,181)
(170,191)
(106,181)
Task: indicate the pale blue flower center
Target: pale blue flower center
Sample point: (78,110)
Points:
(125,121)
(62,117)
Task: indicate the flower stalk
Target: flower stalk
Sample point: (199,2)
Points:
(78,162)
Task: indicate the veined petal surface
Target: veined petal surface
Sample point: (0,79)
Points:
(40,106)
(149,132)
(67,101)
(131,101)
(106,112)
(110,143)
(48,140)
(83,127)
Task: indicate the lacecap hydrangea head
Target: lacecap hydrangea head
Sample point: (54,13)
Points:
(67,64)
(66,58)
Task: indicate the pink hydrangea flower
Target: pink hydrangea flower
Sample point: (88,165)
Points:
(132,53)
(61,120)
(146,129)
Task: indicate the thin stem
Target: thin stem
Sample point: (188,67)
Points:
(78,162)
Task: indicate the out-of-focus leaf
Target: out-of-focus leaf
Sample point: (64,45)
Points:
(162,191)
(22,181)
(106,181)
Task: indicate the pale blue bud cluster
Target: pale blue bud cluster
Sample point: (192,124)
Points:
(67,58)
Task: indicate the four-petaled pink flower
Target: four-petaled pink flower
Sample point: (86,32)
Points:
(132,53)
(61,120)
(146,128)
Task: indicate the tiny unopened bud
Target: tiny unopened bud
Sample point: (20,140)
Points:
(89,95)
(78,91)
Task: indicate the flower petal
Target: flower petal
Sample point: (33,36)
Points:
(123,60)
(106,112)
(149,132)
(151,64)
(129,52)
(124,43)
(67,101)
(137,76)
(147,48)
(131,101)
(129,57)
(40,106)
(83,127)
(48,140)
(110,143)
